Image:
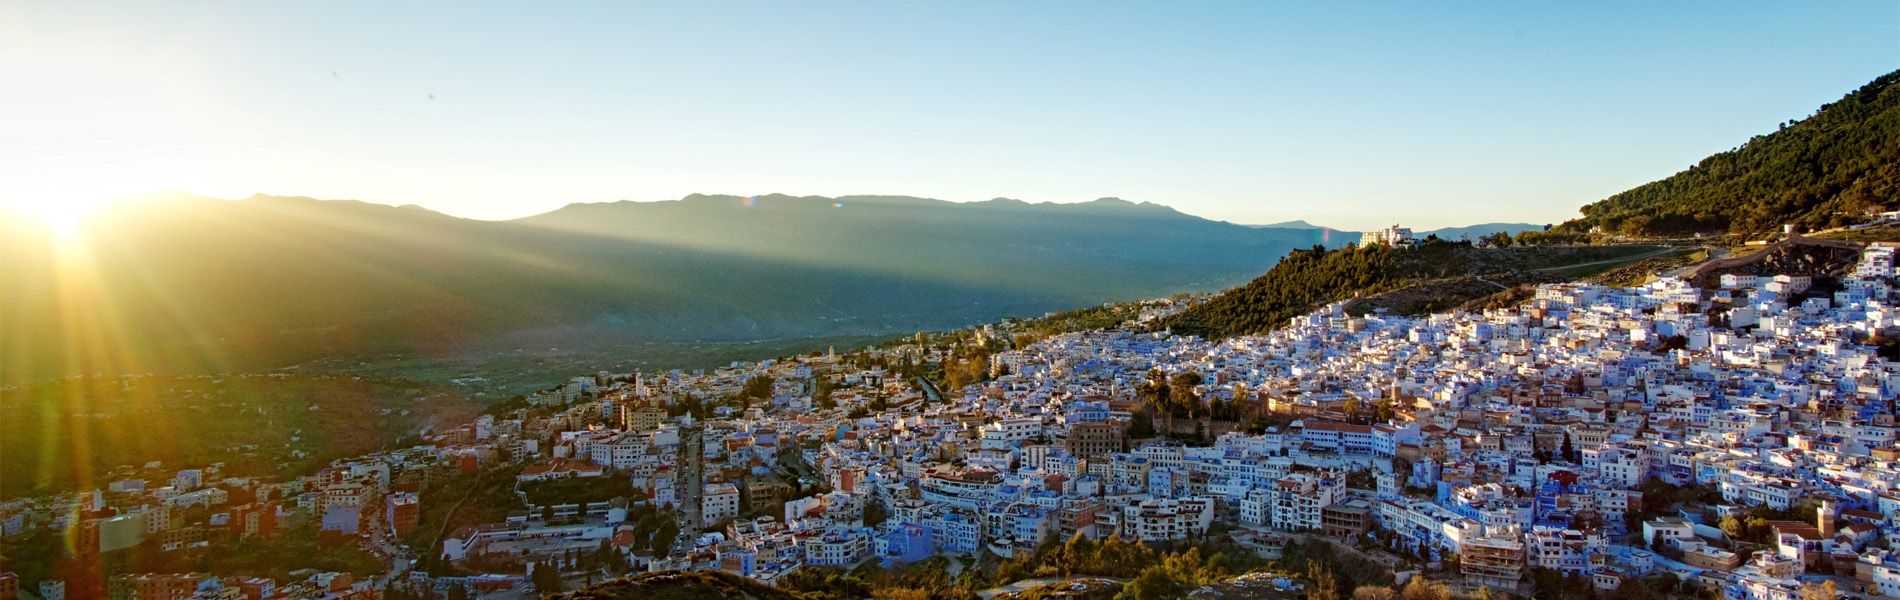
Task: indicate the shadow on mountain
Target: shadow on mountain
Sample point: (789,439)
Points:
(179,283)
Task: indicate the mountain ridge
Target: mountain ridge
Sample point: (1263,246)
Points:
(1826,170)
(182,283)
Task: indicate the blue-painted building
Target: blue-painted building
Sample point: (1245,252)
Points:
(908,543)
(343,519)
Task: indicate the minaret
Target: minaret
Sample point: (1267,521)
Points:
(1826,518)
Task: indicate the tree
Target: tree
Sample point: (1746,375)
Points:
(1632,589)
(1546,583)
(664,537)
(545,578)
(1421,588)
(1823,590)
(1141,426)
(1325,584)
(1666,583)
(1154,584)
(1077,556)
(874,514)
(1732,527)
(1355,412)
(1374,592)
(457,592)
(1384,410)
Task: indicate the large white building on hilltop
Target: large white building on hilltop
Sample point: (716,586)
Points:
(1391,236)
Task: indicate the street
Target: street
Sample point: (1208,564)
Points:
(691,484)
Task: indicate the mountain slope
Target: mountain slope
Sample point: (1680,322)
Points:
(180,283)
(1824,171)
(1294,224)
(1308,279)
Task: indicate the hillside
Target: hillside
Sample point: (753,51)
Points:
(73,433)
(1825,171)
(679,585)
(185,284)
(1307,279)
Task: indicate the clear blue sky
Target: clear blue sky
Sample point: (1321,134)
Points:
(1352,115)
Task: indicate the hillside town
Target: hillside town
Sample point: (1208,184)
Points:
(1740,440)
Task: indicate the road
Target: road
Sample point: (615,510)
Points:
(1626,259)
(691,483)
(1686,270)
(380,539)
(930,389)
(1019,586)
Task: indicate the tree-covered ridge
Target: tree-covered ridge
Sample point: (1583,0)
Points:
(1824,171)
(1307,279)
(1303,279)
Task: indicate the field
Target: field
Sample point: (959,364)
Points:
(82,433)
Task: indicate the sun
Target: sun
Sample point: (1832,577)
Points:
(72,139)
(62,220)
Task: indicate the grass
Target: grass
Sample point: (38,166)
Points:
(1599,267)
(1884,233)
(452,502)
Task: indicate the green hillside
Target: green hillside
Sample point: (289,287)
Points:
(75,432)
(1828,170)
(1308,279)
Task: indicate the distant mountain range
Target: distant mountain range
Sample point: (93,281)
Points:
(1290,225)
(179,283)
(1473,232)
(1449,233)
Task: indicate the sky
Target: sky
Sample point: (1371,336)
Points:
(1352,115)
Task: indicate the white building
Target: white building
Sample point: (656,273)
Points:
(1391,236)
(720,502)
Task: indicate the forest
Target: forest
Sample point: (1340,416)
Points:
(1308,279)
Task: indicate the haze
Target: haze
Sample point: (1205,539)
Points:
(1352,116)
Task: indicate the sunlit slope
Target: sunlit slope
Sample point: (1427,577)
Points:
(182,283)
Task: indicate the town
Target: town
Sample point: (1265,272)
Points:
(1738,440)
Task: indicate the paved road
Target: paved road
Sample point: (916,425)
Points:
(1686,270)
(691,483)
(380,539)
(1626,259)
(930,389)
(1018,586)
